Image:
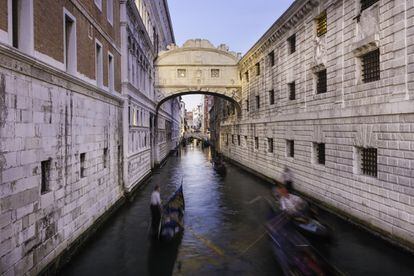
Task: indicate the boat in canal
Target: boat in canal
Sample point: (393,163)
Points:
(293,252)
(172,221)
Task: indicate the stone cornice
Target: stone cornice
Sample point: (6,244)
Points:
(14,60)
(296,12)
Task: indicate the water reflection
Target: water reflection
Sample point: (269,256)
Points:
(224,231)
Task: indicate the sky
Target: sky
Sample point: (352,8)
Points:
(237,23)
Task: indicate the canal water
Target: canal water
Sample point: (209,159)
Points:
(224,232)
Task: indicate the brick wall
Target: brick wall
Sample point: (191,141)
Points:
(3,15)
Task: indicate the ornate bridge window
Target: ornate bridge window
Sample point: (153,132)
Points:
(215,73)
(181,73)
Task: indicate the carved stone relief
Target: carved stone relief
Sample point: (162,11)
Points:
(365,136)
(320,53)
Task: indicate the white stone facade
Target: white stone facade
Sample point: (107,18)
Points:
(351,115)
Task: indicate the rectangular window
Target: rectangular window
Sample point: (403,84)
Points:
(247,105)
(292,44)
(245,141)
(365,4)
(232,139)
(15,22)
(82,165)
(290,148)
(321,85)
(292,91)
(257,69)
(110,11)
(369,161)
(181,73)
(238,140)
(246,76)
(98,4)
(215,73)
(256,143)
(271,97)
(111,72)
(319,153)
(270,145)
(105,158)
(272,58)
(227,139)
(321,24)
(99,65)
(70,44)
(371,66)
(45,181)
(257,101)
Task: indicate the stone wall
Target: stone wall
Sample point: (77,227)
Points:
(53,121)
(351,115)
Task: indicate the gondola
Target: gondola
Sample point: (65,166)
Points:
(172,221)
(294,253)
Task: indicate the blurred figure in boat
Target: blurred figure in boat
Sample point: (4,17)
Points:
(287,178)
(292,204)
(155,209)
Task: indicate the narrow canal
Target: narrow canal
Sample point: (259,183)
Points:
(224,232)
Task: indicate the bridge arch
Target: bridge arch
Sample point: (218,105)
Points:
(198,67)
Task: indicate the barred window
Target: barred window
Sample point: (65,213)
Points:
(257,69)
(245,141)
(227,139)
(320,153)
(371,66)
(238,140)
(292,44)
(247,105)
(270,145)
(256,142)
(232,139)
(292,91)
(272,58)
(181,73)
(215,73)
(290,148)
(258,102)
(369,161)
(321,86)
(365,4)
(271,96)
(246,76)
(82,165)
(321,24)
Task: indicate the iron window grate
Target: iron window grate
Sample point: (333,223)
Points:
(271,96)
(292,91)
(321,86)
(256,142)
(369,161)
(292,44)
(270,144)
(258,69)
(321,24)
(320,150)
(247,106)
(257,102)
(371,66)
(238,140)
(365,4)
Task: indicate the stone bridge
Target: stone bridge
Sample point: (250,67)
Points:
(198,68)
(197,135)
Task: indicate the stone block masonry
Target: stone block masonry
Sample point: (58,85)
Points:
(59,167)
(340,114)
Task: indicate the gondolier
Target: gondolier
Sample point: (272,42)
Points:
(155,209)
